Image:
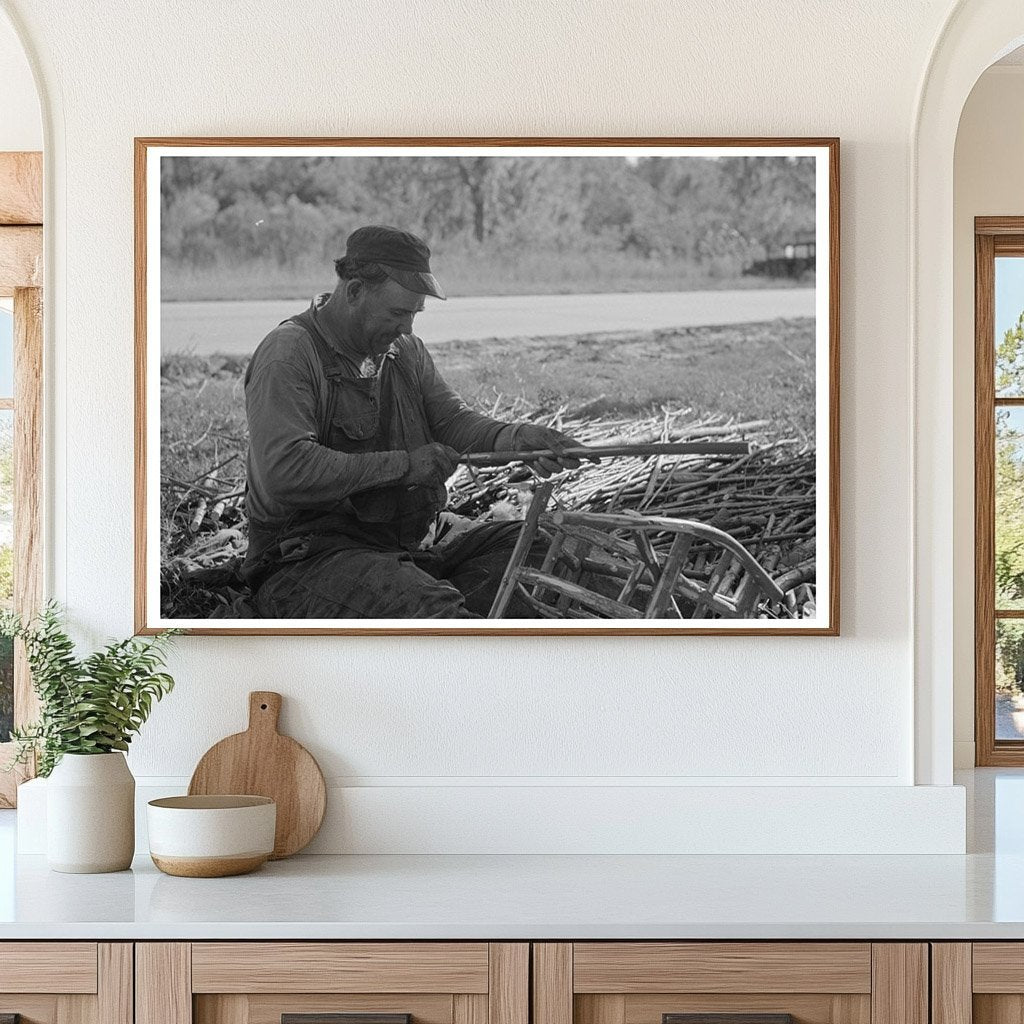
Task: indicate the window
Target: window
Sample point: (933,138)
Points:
(6,511)
(999,490)
(21,335)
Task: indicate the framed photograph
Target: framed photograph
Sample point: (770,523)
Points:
(487,386)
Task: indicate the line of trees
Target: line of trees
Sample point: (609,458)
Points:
(1009,506)
(239,209)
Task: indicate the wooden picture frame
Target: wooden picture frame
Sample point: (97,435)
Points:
(811,611)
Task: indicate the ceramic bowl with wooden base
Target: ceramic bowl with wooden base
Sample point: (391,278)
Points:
(211,836)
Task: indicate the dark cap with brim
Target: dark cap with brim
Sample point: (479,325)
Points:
(405,257)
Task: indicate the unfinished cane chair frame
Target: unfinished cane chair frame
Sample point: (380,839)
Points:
(617,548)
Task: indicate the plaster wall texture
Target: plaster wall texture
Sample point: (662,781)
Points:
(496,711)
(989,153)
(21,126)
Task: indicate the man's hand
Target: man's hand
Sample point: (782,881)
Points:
(430,465)
(531,437)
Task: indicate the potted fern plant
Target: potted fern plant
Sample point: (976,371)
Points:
(90,707)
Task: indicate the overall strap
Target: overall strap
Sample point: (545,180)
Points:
(330,359)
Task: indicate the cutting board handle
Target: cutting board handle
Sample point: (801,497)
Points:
(264,710)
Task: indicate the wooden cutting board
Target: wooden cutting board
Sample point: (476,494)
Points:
(262,762)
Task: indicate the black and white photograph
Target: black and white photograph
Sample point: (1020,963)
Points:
(481,386)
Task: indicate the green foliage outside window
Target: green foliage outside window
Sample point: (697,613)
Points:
(1009,509)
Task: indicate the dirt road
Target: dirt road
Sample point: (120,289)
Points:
(238,327)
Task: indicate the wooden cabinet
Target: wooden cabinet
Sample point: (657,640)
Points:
(977,982)
(264,982)
(66,982)
(512,983)
(656,982)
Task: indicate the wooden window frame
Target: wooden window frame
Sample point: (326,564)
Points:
(21,278)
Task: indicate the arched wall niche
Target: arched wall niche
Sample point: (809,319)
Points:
(976,34)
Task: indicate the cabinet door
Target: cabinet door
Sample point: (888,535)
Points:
(980,982)
(66,982)
(332,983)
(730,983)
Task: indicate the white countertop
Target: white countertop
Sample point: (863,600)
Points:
(520,897)
(979,895)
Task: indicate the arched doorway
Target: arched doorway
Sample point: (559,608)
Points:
(977,33)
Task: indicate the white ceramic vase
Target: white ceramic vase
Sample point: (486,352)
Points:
(90,814)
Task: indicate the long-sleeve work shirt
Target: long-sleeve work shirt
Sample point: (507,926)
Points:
(311,446)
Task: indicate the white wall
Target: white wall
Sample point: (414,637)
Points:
(448,713)
(21,127)
(987,182)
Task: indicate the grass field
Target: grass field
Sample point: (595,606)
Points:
(463,274)
(763,372)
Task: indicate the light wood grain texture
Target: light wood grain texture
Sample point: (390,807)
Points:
(467,1009)
(1010,245)
(141,358)
(10,781)
(268,1008)
(509,983)
(163,983)
(833,483)
(66,967)
(34,1008)
(21,188)
(76,1010)
(999,226)
(28,504)
(990,1008)
(115,1002)
(851,1009)
(339,967)
(226,1009)
(998,967)
(899,991)
(262,762)
(552,983)
(208,867)
(805,1008)
(28,483)
(951,983)
(994,236)
(21,259)
(984,503)
(722,967)
(605,1009)
(8,784)
(143,625)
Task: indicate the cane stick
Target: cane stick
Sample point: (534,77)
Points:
(479,460)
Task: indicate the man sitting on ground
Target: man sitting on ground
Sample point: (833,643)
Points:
(352,435)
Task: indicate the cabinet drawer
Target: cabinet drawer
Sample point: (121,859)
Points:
(65,967)
(332,983)
(340,967)
(730,983)
(752,967)
(66,982)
